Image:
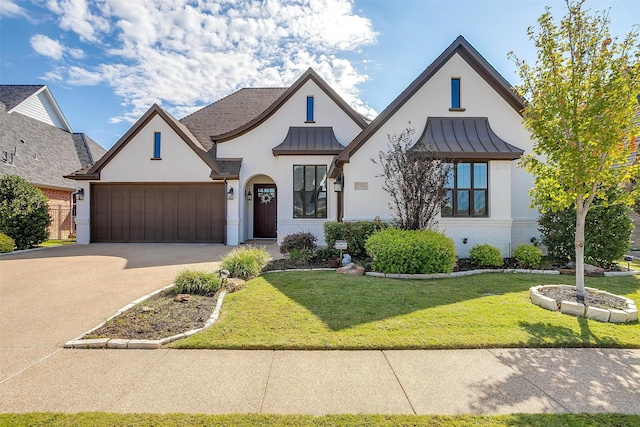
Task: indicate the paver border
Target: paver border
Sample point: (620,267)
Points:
(630,314)
(121,343)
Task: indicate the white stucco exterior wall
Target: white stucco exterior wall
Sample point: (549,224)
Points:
(508,184)
(260,166)
(134,162)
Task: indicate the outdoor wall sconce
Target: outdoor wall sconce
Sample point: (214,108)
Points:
(248,195)
(337,184)
(79,194)
(465,240)
(230,194)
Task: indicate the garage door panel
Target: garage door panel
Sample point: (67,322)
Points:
(158,213)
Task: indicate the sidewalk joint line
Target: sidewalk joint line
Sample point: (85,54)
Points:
(399,383)
(266,384)
(29,367)
(529,381)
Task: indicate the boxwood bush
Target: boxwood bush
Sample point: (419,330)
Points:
(24,212)
(6,243)
(486,256)
(411,252)
(245,262)
(528,256)
(197,282)
(355,233)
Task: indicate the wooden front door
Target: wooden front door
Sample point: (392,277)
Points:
(264,210)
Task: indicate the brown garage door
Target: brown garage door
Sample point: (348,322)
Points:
(158,213)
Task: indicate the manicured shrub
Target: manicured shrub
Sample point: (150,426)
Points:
(24,212)
(197,282)
(411,251)
(529,256)
(245,262)
(486,256)
(6,243)
(305,241)
(607,233)
(355,233)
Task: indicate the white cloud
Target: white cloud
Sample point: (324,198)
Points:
(45,46)
(183,53)
(12,9)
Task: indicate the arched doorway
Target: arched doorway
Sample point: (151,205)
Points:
(265,211)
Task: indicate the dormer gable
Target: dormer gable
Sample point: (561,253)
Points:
(473,58)
(34,101)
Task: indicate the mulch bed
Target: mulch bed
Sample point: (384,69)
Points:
(159,317)
(591,299)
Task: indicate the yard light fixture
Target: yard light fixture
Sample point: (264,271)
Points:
(79,193)
(248,195)
(230,194)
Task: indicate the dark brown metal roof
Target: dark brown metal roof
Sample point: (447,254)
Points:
(230,113)
(465,138)
(309,140)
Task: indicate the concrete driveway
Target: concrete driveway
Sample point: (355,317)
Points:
(52,295)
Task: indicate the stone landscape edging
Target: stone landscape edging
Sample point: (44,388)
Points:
(630,314)
(461,273)
(121,343)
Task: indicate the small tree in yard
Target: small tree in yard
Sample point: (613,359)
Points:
(24,212)
(415,179)
(582,102)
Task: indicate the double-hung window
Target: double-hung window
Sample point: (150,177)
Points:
(466,190)
(310,191)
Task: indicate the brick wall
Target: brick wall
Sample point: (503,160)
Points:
(60,211)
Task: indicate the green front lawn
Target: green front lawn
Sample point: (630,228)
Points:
(57,242)
(324,310)
(97,419)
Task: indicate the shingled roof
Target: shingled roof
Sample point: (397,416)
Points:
(12,95)
(40,152)
(230,113)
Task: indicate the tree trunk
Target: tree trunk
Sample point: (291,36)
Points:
(581,215)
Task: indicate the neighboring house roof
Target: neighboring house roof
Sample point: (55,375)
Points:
(282,99)
(219,170)
(41,153)
(308,141)
(464,138)
(230,113)
(461,47)
(35,101)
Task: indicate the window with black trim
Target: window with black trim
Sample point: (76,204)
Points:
(309,191)
(156,145)
(310,109)
(467,190)
(455,92)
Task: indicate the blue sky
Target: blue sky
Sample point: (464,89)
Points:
(106,62)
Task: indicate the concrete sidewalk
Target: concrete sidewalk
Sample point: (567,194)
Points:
(324,382)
